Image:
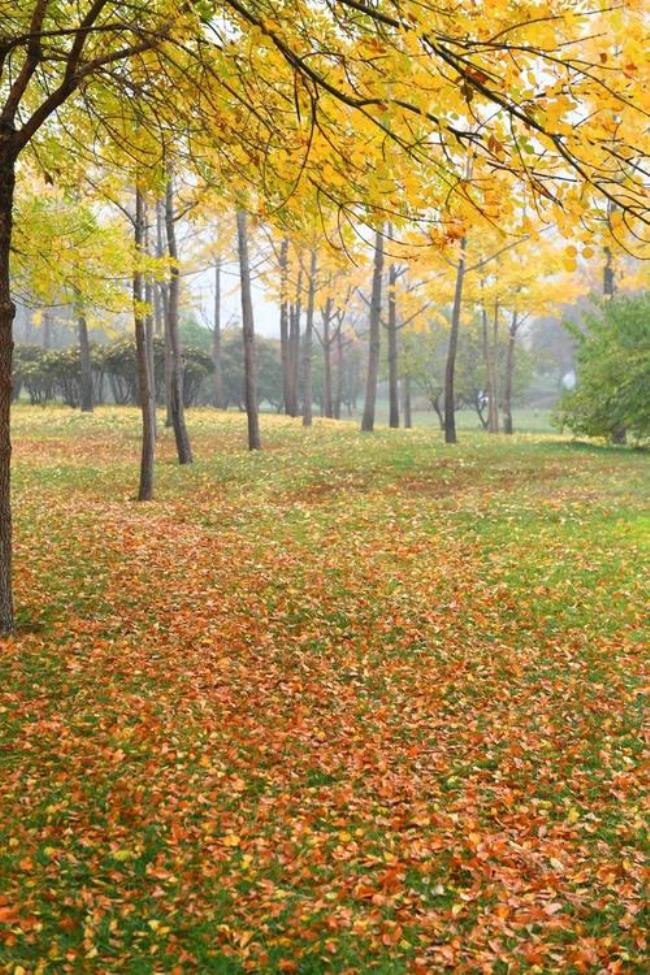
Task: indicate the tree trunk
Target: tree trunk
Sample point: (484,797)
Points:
(307,374)
(217,379)
(450,366)
(608,274)
(145,492)
(294,347)
(177,408)
(406,402)
(374,337)
(492,422)
(149,327)
(85,366)
(248,333)
(327,361)
(393,389)
(339,374)
(7,313)
(47,331)
(164,301)
(509,371)
(437,407)
(284,327)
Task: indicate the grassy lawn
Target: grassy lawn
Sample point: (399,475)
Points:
(351,704)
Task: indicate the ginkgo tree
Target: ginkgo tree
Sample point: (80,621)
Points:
(66,255)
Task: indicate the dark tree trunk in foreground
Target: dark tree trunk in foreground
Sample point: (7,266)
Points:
(7,313)
(393,388)
(177,408)
(374,338)
(307,348)
(145,388)
(85,366)
(248,333)
(450,367)
(406,402)
(284,326)
(509,372)
(217,378)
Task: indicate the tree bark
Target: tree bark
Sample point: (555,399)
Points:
(294,348)
(492,422)
(47,331)
(450,366)
(217,379)
(85,366)
(307,347)
(327,360)
(145,491)
(149,326)
(7,313)
(374,337)
(339,374)
(248,333)
(177,408)
(393,390)
(284,327)
(509,372)
(406,401)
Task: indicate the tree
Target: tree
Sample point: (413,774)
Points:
(307,346)
(374,335)
(248,332)
(145,376)
(613,359)
(177,408)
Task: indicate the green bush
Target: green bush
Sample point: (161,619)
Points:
(611,397)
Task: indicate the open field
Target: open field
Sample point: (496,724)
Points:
(352,704)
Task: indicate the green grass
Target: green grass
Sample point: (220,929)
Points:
(354,703)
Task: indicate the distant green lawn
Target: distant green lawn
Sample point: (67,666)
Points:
(354,704)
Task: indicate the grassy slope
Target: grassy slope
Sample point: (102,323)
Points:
(353,704)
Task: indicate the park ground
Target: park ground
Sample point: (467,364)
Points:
(351,704)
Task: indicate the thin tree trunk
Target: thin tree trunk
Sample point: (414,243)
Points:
(145,491)
(492,422)
(177,408)
(374,337)
(327,360)
(217,379)
(493,402)
(509,372)
(7,313)
(164,301)
(619,435)
(307,348)
(450,366)
(284,327)
(339,374)
(406,401)
(149,293)
(248,333)
(85,366)
(609,283)
(47,331)
(294,347)
(393,390)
